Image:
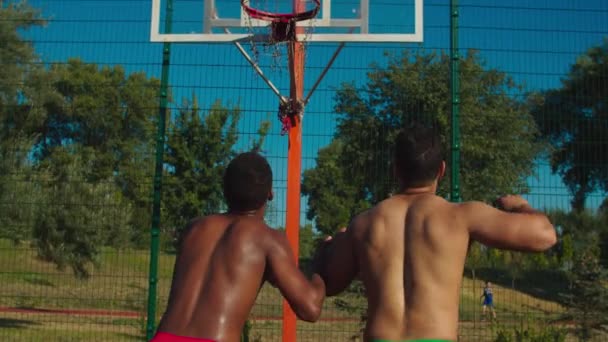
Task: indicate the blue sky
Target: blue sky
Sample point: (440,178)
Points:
(535,42)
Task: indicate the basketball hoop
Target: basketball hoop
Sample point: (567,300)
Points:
(283,25)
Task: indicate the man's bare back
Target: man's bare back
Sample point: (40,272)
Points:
(382,240)
(222,266)
(409,251)
(223,262)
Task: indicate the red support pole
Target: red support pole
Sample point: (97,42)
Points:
(294,165)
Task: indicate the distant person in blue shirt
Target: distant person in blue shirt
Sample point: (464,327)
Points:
(488,300)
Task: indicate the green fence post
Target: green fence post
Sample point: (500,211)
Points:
(455,112)
(158,177)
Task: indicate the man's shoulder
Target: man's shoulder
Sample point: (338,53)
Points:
(238,225)
(206,220)
(257,230)
(362,215)
(362,220)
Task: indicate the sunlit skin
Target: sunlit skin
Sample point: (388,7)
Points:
(225,259)
(223,262)
(410,249)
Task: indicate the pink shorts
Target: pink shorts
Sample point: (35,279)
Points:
(165,337)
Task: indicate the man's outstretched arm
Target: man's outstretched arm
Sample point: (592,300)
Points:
(516,227)
(305,297)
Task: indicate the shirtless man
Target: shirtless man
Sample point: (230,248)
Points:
(410,249)
(224,259)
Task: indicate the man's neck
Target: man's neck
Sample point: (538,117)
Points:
(418,190)
(258,213)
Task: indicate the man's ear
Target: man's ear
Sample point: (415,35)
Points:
(270,195)
(441,172)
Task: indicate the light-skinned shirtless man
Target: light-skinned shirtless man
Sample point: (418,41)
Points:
(224,259)
(409,250)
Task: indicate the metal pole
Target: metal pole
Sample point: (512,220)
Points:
(455,112)
(294,164)
(257,69)
(158,177)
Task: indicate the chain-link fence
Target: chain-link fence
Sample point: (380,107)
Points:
(79,114)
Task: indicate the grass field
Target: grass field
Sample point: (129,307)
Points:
(39,302)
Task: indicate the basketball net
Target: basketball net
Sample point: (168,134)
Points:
(278,34)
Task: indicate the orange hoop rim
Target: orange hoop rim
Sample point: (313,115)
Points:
(281,17)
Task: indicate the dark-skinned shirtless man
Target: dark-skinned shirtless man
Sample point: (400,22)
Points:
(409,250)
(224,259)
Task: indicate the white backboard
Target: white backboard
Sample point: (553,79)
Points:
(346,21)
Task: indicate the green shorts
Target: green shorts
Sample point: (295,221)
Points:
(418,340)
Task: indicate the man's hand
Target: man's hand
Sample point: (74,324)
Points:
(512,203)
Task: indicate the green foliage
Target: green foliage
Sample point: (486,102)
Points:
(20,109)
(603,236)
(355,172)
(530,334)
(333,198)
(78,217)
(75,144)
(16,190)
(307,242)
(587,299)
(17,56)
(199,147)
(568,118)
(578,229)
(580,250)
(495,258)
(474,258)
(111,117)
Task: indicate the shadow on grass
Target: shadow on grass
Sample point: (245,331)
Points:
(16,323)
(543,284)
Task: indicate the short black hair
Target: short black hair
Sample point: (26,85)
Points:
(247,182)
(418,154)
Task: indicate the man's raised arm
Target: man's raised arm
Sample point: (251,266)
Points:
(516,227)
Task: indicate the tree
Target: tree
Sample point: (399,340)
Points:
(498,133)
(307,242)
(109,117)
(199,147)
(603,236)
(576,226)
(21,91)
(336,199)
(20,69)
(70,232)
(516,264)
(579,232)
(474,258)
(588,299)
(570,118)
